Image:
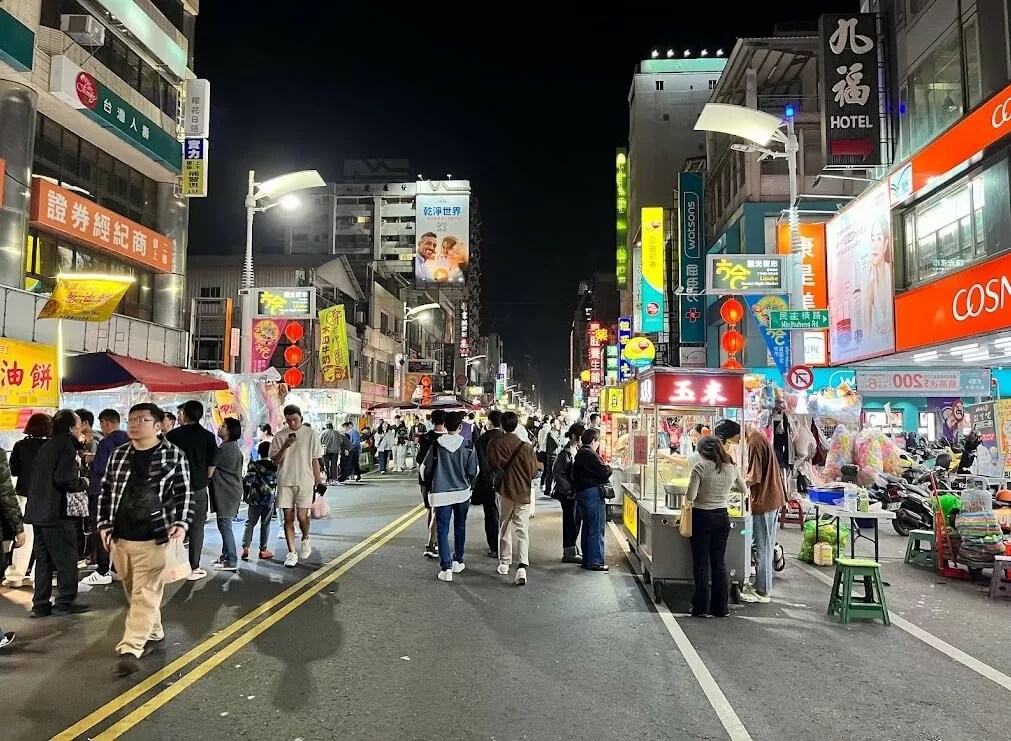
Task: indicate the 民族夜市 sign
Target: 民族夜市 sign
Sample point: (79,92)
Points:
(744,274)
(917,382)
(290,303)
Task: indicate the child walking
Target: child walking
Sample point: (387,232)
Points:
(259,488)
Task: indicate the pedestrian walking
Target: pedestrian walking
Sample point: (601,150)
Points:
(565,492)
(589,475)
(514,464)
(483,491)
(12,532)
(400,449)
(354,459)
(167,424)
(449,468)
(296,452)
(38,430)
(146,501)
(553,442)
(386,441)
(330,439)
(201,449)
(113,437)
(226,490)
(429,439)
(713,477)
(259,491)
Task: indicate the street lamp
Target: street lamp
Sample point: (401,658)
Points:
(414,314)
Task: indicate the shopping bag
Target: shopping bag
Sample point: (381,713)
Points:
(320,508)
(177,562)
(685,527)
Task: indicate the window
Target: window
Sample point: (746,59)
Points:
(712,83)
(915,6)
(210,291)
(666,117)
(384,322)
(934,93)
(659,85)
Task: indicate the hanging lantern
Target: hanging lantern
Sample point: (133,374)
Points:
(731,311)
(732,364)
(294,331)
(293,355)
(733,342)
(293,377)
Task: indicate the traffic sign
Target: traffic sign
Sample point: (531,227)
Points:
(796,319)
(800,377)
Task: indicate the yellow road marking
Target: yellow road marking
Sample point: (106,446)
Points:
(205,667)
(141,688)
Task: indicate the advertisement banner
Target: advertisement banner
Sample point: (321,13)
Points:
(653,269)
(777,340)
(692,357)
(333,344)
(919,382)
(266,334)
(84,297)
(464,344)
(860,296)
(194,180)
(745,274)
(614,400)
(28,374)
(418,387)
(640,352)
(621,255)
(691,258)
(597,336)
(1003,411)
(290,303)
(197,110)
(442,223)
(625,371)
(989,462)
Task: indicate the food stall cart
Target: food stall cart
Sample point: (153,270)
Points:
(653,497)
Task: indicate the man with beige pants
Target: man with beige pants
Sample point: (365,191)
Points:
(512,463)
(144,503)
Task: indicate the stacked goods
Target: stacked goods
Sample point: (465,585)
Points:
(826,534)
(981,535)
(840,452)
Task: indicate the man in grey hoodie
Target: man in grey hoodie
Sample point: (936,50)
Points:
(448,469)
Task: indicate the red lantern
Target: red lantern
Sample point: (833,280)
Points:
(294,331)
(732,364)
(731,311)
(733,341)
(293,377)
(293,355)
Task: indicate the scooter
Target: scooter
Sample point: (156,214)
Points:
(916,511)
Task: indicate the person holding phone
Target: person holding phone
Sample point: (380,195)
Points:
(296,452)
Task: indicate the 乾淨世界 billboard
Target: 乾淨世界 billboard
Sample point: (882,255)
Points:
(442,226)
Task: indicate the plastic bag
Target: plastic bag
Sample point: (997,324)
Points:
(177,562)
(826,534)
(320,508)
(840,452)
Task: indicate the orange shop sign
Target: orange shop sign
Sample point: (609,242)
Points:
(815,280)
(69,214)
(961,306)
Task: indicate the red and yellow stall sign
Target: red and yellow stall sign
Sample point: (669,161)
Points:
(614,400)
(333,344)
(85,297)
(27,374)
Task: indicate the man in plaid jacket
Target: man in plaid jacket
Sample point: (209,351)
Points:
(144,503)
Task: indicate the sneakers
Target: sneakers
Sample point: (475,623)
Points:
(6,639)
(196,575)
(492,553)
(266,555)
(97,580)
(217,564)
(226,567)
(306,550)
(245,554)
(748,594)
(446,575)
(521,576)
(458,567)
(71,608)
(569,555)
(291,559)
(431,551)
(503,569)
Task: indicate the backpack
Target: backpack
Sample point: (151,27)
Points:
(497,474)
(550,445)
(563,476)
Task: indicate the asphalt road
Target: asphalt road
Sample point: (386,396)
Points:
(373,646)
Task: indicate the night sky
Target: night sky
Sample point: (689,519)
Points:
(528,107)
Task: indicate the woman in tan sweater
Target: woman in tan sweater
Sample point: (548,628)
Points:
(712,479)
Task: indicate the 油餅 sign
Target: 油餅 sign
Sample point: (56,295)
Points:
(28,375)
(692,258)
(921,382)
(961,306)
(79,89)
(692,389)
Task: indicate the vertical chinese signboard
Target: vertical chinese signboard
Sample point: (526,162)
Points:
(333,344)
(691,259)
(27,375)
(464,331)
(850,95)
(194,180)
(266,336)
(625,371)
(814,282)
(622,219)
(653,269)
(596,352)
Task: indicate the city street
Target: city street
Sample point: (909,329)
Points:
(372,646)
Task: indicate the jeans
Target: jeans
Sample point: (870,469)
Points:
(330,461)
(548,478)
(258,513)
(459,514)
(55,551)
(384,460)
(764,529)
(400,457)
(570,523)
(710,530)
(228,555)
(513,517)
(590,506)
(196,529)
(96,549)
(491,523)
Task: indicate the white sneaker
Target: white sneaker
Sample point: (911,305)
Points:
(503,569)
(458,567)
(521,576)
(196,575)
(446,575)
(291,559)
(748,594)
(763,598)
(95,579)
(306,550)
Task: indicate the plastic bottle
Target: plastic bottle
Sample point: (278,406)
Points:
(863,501)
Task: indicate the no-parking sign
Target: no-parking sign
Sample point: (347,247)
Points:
(800,377)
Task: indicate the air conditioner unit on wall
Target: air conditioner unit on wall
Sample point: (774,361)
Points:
(83,29)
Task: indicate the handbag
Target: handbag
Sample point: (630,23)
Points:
(77,504)
(606,491)
(685,526)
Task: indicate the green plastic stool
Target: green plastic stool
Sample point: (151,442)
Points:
(921,556)
(872,605)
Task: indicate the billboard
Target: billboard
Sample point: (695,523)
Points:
(691,258)
(653,269)
(860,296)
(442,225)
(621,210)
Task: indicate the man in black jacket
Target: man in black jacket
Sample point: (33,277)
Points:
(200,448)
(57,472)
(427,441)
(482,490)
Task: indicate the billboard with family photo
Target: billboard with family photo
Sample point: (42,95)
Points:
(860,295)
(442,226)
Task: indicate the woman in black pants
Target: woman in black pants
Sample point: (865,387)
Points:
(565,493)
(712,479)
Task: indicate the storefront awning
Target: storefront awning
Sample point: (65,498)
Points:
(107,370)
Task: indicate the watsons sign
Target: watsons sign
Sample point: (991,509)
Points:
(691,302)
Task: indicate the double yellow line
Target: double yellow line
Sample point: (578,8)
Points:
(324,576)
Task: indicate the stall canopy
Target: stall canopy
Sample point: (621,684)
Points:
(107,370)
(437,403)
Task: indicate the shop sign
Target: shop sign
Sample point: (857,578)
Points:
(654,264)
(916,382)
(984,423)
(82,91)
(15,419)
(290,303)
(631,392)
(197,111)
(614,400)
(464,330)
(266,334)
(17,43)
(375,390)
(746,274)
(327,401)
(640,352)
(87,298)
(577,393)
(1003,412)
(692,357)
(961,306)
(333,344)
(28,375)
(71,215)
(630,514)
(683,389)
(776,340)
(621,273)
(624,335)
(425,365)
(418,387)
(692,258)
(640,449)
(807,319)
(597,336)
(850,95)
(612,358)
(194,177)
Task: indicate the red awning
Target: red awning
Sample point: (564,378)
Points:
(106,370)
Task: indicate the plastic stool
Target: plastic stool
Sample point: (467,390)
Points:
(1000,583)
(792,507)
(872,605)
(921,556)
